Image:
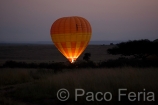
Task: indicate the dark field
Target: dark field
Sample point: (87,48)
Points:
(46,53)
(39,86)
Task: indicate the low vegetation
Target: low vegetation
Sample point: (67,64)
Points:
(39,86)
(58,66)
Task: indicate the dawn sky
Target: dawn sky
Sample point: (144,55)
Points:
(31,20)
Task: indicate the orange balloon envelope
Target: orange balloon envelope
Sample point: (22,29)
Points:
(71,36)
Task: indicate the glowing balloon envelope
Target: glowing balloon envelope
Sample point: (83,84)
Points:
(71,36)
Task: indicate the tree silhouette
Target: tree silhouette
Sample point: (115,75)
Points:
(155,47)
(87,56)
(138,48)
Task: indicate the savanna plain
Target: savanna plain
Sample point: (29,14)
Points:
(39,86)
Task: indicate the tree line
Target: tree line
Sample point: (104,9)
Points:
(139,49)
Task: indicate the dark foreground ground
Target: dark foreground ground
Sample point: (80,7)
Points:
(39,86)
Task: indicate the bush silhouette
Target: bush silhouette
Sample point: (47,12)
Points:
(87,56)
(140,49)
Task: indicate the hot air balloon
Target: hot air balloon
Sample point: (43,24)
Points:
(71,36)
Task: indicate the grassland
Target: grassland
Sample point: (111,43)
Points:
(21,86)
(39,86)
(46,53)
